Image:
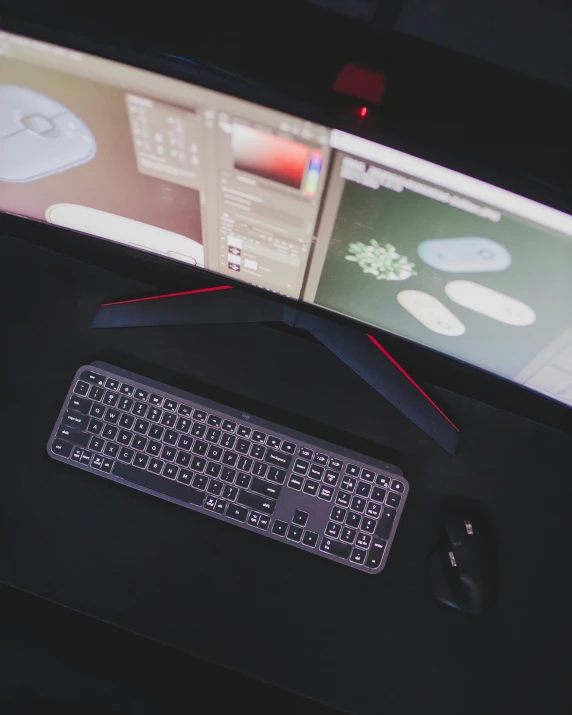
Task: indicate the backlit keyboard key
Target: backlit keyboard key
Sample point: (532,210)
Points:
(278,459)
(295,482)
(294,533)
(279,528)
(317,472)
(336,548)
(358,556)
(93,378)
(382,481)
(185,476)
(325,493)
(310,538)
(393,499)
(255,501)
(300,467)
(267,489)
(79,404)
(276,475)
(81,388)
(234,511)
(95,393)
(376,554)
(310,487)
(343,499)
(61,447)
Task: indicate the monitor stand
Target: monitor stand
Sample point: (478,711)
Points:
(363,353)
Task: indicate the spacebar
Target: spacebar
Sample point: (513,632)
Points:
(158,484)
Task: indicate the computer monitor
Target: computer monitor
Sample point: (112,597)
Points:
(290,206)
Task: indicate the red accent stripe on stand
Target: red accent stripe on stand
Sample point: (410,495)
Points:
(167,295)
(411,380)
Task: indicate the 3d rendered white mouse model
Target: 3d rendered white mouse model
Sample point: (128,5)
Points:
(39,136)
(127,231)
(470,254)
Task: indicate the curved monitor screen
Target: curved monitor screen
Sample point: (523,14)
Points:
(299,209)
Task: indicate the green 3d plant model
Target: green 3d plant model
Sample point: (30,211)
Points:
(383,262)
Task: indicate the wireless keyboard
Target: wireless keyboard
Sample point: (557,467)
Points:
(233,466)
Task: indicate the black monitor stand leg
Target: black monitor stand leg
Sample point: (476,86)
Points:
(362,352)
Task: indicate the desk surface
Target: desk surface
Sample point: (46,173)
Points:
(348,639)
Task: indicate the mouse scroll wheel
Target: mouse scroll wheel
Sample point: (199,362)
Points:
(39,124)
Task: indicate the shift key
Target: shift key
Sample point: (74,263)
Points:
(74,435)
(255,501)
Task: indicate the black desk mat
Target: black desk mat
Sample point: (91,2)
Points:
(361,643)
(55,661)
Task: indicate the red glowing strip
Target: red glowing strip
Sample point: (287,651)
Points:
(411,380)
(168,295)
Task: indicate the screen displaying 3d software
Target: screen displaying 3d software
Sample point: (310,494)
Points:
(299,209)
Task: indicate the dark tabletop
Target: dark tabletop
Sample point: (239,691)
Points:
(366,644)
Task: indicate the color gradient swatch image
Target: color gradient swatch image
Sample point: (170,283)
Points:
(268,156)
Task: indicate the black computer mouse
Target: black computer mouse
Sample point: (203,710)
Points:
(462,569)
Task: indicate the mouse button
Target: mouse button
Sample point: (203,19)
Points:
(41,125)
(460,530)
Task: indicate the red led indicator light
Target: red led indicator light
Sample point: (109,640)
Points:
(362,111)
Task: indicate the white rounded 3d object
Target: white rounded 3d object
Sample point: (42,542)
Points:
(471,254)
(430,312)
(127,231)
(491,303)
(39,136)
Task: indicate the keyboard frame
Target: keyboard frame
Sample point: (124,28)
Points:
(226,412)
